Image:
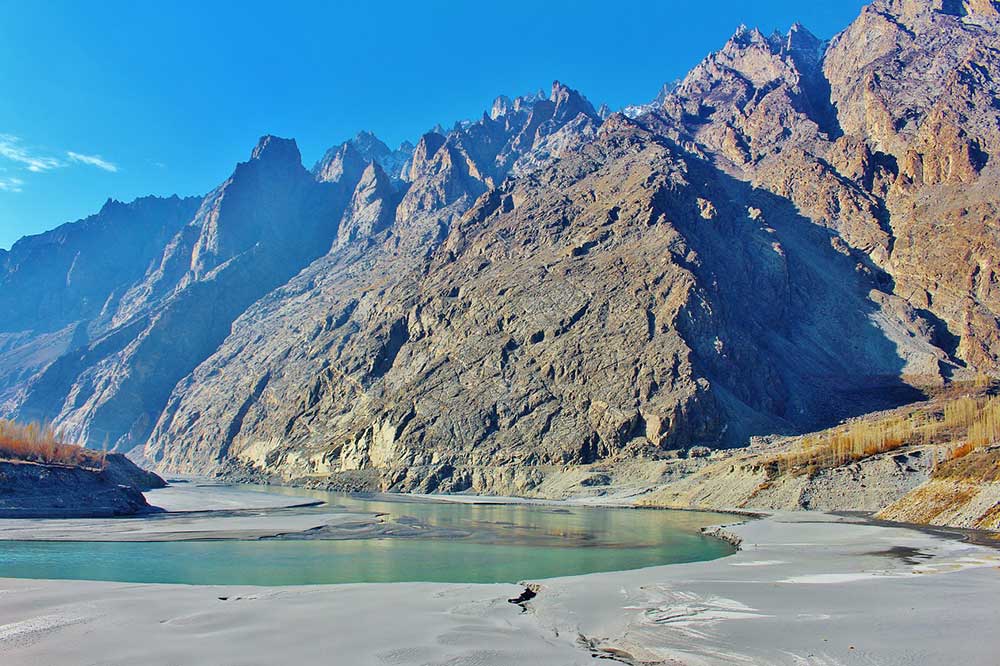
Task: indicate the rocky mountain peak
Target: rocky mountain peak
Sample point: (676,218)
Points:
(370,146)
(341,161)
(745,37)
(276,150)
(109,205)
(570,103)
(799,45)
(375,179)
(371,208)
(501,106)
(748,72)
(800,40)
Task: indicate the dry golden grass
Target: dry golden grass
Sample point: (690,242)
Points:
(847,444)
(40,444)
(968,423)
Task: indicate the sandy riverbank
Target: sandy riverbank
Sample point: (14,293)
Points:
(804,589)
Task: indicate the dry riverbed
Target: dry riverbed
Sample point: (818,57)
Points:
(805,588)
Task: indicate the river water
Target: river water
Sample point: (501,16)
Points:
(438,542)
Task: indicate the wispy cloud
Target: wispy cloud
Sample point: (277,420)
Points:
(92,160)
(11,148)
(24,158)
(11,184)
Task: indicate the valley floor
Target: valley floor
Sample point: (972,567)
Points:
(805,588)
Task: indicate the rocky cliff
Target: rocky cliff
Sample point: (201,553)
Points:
(796,233)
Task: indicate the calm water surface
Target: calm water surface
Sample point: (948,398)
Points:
(466,543)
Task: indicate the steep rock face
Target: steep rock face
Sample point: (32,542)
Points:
(253,233)
(372,209)
(591,310)
(919,85)
(473,362)
(381,244)
(884,136)
(761,107)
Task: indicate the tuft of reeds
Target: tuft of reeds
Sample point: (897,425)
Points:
(41,444)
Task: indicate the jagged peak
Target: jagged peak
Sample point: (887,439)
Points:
(363,148)
(798,46)
(112,204)
(341,159)
(745,36)
(374,170)
(569,102)
(272,148)
(368,144)
(665,91)
(800,38)
(109,205)
(428,146)
(501,106)
(504,105)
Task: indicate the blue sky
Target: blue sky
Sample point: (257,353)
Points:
(123,99)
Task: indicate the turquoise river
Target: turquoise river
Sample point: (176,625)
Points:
(449,542)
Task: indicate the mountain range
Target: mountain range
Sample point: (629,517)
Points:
(798,232)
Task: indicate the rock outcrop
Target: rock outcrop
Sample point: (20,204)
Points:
(32,490)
